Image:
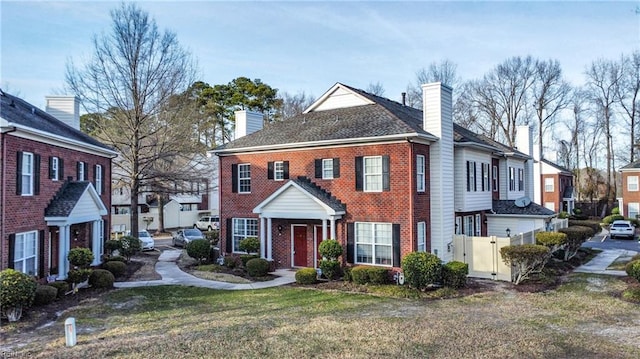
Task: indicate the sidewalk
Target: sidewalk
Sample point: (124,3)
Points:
(603,260)
(172,275)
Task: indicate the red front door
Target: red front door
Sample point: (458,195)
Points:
(318,241)
(299,246)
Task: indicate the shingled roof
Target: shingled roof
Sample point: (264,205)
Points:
(632,165)
(66,199)
(510,208)
(19,112)
(320,194)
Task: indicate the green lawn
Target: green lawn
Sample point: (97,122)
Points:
(582,319)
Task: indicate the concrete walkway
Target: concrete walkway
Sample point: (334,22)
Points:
(604,259)
(172,275)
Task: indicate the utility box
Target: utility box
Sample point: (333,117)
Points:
(70,331)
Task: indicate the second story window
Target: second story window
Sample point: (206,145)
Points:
(327,168)
(494,178)
(98,178)
(632,183)
(520,179)
(471,176)
(55,168)
(485,177)
(244,178)
(420,178)
(81,171)
(548,185)
(512,179)
(27,173)
(372,174)
(278,170)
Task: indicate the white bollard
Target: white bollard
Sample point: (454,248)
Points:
(70,331)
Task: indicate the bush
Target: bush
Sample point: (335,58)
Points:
(330,268)
(454,274)
(615,210)
(551,240)
(244,258)
(78,275)
(101,278)
(17,291)
(370,275)
(116,259)
(306,276)
(330,249)
(421,269)
(111,245)
(45,294)
(230,261)
(595,225)
(633,221)
(576,235)
(527,258)
(257,267)
(116,268)
(249,245)
(633,269)
(199,249)
(212,236)
(611,218)
(563,215)
(61,286)
(346,274)
(129,246)
(80,257)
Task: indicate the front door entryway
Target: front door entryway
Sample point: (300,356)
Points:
(300,246)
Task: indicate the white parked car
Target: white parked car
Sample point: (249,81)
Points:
(207,223)
(146,240)
(622,229)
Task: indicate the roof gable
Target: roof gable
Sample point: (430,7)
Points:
(338,96)
(631,167)
(75,202)
(549,167)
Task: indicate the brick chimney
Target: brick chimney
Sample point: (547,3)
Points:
(65,109)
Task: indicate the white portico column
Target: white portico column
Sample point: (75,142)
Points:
(63,249)
(95,242)
(324,229)
(263,231)
(333,228)
(269,240)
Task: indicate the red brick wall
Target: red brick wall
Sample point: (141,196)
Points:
(400,205)
(629,196)
(554,196)
(26,213)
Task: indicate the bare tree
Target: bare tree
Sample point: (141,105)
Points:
(603,78)
(375,89)
(628,96)
(576,127)
(291,105)
(134,72)
(444,71)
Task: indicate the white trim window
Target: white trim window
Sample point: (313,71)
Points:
(278,171)
(420,177)
(55,170)
(374,243)
(373,174)
(82,176)
(244,178)
(25,258)
(634,209)
(486,183)
(27,174)
(520,179)
(549,184)
(512,179)
(98,183)
(478,225)
(471,176)
(422,236)
(458,225)
(494,178)
(550,205)
(468,225)
(327,168)
(632,183)
(243,228)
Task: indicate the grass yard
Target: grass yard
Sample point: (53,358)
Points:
(584,318)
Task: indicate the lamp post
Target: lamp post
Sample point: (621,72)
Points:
(508,233)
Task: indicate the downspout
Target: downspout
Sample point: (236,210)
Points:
(411,194)
(3,193)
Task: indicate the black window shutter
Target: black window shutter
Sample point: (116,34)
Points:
(41,254)
(19,173)
(468,176)
(396,244)
(318,167)
(285,169)
(336,168)
(475,177)
(95,175)
(269,170)
(351,242)
(78,164)
(483,174)
(359,173)
(234,178)
(36,174)
(229,229)
(60,169)
(12,250)
(51,174)
(386,183)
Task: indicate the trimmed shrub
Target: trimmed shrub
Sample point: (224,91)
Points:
(230,261)
(306,276)
(80,257)
(330,268)
(244,258)
(129,246)
(454,274)
(199,249)
(330,249)
(611,218)
(78,275)
(615,210)
(101,278)
(563,215)
(633,269)
(360,275)
(370,275)
(633,221)
(421,269)
(576,235)
(117,258)
(45,294)
(595,225)
(212,236)
(116,268)
(346,274)
(17,291)
(526,258)
(551,240)
(257,267)
(111,245)
(249,245)
(61,286)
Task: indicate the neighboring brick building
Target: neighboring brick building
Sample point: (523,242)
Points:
(556,191)
(630,202)
(382,178)
(56,186)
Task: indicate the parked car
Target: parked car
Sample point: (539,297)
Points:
(207,223)
(146,240)
(622,229)
(186,236)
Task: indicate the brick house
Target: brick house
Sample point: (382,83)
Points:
(56,186)
(382,178)
(630,201)
(554,189)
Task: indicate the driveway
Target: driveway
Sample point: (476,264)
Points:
(603,241)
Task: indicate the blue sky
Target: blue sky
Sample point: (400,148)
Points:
(309,46)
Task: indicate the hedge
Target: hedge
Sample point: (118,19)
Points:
(330,268)
(633,269)
(527,258)
(421,269)
(45,294)
(306,276)
(330,249)
(101,278)
(454,274)
(257,267)
(595,225)
(369,275)
(552,240)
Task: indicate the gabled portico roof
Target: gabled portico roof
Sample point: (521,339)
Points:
(301,199)
(75,202)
